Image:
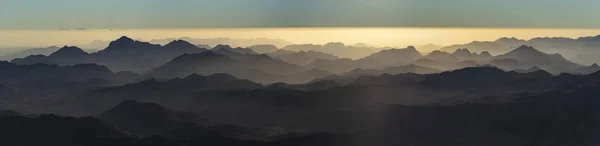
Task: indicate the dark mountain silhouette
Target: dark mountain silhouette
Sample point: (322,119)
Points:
(441,56)
(432,63)
(467,63)
(532,69)
(341,50)
(227,50)
(224,60)
(152,119)
(204,46)
(263,49)
(334,48)
(465,54)
(64,56)
(382,59)
(395,56)
(195,82)
(339,65)
(280,52)
(140,118)
(580,50)
(528,57)
(68,56)
(499,46)
(390,70)
(485,77)
(56,130)
(25,86)
(587,69)
(152,90)
(305,76)
(81,72)
(227,41)
(507,63)
(301,47)
(302,95)
(458,59)
(6,113)
(439,60)
(302,57)
(207,63)
(364,107)
(120,55)
(409,69)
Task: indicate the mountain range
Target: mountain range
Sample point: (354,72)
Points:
(181,93)
(484,103)
(580,50)
(120,55)
(228,41)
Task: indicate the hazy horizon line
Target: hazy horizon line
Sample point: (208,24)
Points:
(332,27)
(373,36)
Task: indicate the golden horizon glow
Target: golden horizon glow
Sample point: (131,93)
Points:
(391,37)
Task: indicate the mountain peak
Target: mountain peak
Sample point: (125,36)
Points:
(411,48)
(193,75)
(525,48)
(361,45)
(462,51)
(143,118)
(534,68)
(485,53)
(180,44)
(121,42)
(334,44)
(507,39)
(594,65)
(69,50)
(221,46)
(124,39)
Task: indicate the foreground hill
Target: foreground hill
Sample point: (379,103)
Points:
(24,86)
(507,107)
(85,131)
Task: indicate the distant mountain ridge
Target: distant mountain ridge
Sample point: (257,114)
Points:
(228,41)
(121,54)
(285,65)
(580,50)
(334,48)
(259,68)
(34,51)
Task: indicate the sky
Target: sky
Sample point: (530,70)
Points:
(396,23)
(143,14)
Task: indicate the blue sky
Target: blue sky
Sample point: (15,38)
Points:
(112,14)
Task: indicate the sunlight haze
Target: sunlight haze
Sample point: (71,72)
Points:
(378,37)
